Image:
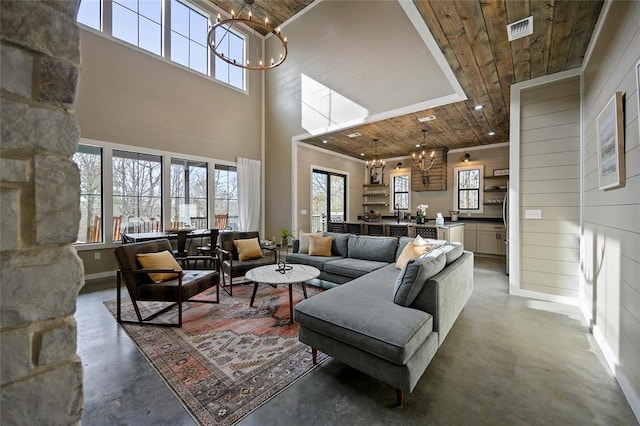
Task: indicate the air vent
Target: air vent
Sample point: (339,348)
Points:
(354,135)
(520,28)
(427,118)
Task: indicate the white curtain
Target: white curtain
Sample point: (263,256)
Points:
(248,193)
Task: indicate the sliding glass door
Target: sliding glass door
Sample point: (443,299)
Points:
(328,199)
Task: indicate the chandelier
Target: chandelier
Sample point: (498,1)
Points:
(422,163)
(375,163)
(257,25)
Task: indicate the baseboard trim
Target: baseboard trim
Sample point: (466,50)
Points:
(544,296)
(632,397)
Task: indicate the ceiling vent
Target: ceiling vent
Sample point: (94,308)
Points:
(520,28)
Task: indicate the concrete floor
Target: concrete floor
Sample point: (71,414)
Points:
(507,360)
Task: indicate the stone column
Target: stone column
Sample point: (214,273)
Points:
(40,276)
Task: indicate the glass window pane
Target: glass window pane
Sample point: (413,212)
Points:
(151,9)
(89,13)
(236,77)
(129,4)
(198,28)
(236,48)
(197,57)
(89,161)
(150,36)
(125,24)
(179,18)
(221,70)
(179,49)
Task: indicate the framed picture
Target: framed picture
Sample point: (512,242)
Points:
(501,172)
(376,175)
(610,138)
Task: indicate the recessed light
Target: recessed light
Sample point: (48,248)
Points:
(418,145)
(362,154)
(427,118)
(491,133)
(478,107)
(354,135)
(324,141)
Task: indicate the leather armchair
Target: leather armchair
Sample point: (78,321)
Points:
(230,265)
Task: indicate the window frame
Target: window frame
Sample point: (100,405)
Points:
(101,194)
(107,185)
(226,168)
(392,192)
(456,190)
(329,173)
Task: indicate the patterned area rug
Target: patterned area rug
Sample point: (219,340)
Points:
(228,358)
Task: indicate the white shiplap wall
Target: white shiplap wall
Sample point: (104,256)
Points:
(610,288)
(550,182)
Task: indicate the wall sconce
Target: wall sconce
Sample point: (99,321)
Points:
(467,157)
(398,165)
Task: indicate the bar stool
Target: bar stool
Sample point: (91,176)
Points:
(210,250)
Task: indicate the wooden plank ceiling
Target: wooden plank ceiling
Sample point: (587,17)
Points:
(473,38)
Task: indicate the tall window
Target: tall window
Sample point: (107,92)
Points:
(328,198)
(232,45)
(226,194)
(188,180)
(137,190)
(400,192)
(189,37)
(89,161)
(143,23)
(138,22)
(468,196)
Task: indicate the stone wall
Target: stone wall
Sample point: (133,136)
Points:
(40,373)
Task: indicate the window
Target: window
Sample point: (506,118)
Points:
(232,46)
(90,13)
(189,37)
(328,199)
(89,161)
(137,191)
(188,181)
(400,192)
(226,194)
(138,22)
(468,196)
(169,28)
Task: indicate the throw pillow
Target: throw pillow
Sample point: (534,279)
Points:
(304,241)
(451,250)
(248,249)
(320,246)
(159,260)
(411,251)
(413,277)
(419,241)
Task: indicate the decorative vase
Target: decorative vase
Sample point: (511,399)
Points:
(420,220)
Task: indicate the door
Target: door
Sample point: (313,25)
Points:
(328,199)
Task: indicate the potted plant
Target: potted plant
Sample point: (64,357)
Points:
(285,234)
(421,213)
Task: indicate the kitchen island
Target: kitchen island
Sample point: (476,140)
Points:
(450,231)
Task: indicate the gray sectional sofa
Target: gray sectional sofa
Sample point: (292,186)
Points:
(384,321)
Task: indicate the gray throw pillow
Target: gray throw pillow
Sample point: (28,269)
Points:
(339,244)
(413,276)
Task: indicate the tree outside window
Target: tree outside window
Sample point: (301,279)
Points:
(89,161)
(188,189)
(468,182)
(226,194)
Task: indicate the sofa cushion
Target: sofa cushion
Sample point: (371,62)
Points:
(248,249)
(303,241)
(305,259)
(361,314)
(411,251)
(451,250)
(413,277)
(160,260)
(381,249)
(339,245)
(352,267)
(320,246)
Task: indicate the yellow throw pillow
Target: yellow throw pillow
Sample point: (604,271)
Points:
(320,246)
(159,260)
(248,249)
(411,251)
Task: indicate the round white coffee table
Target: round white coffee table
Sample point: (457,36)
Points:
(269,275)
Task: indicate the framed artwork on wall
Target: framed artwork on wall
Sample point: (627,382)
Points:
(376,175)
(610,147)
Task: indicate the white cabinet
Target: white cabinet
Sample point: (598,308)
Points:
(453,234)
(490,239)
(470,237)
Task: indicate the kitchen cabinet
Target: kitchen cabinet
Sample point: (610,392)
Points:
(490,239)
(453,234)
(470,237)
